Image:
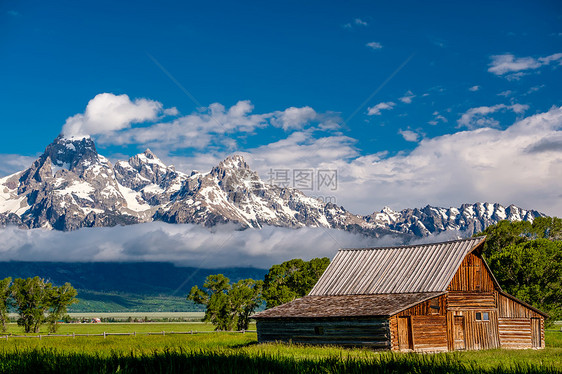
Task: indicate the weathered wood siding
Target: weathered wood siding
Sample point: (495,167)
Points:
(477,334)
(509,308)
(435,306)
(516,325)
(472,275)
(471,300)
(472,290)
(429,333)
(515,333)
(427,323)
(352,332)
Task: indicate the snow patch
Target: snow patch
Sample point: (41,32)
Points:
(88,210)
(154,160)
(76,137)
(78,188)
(14,205)
(153,188)
(132,198)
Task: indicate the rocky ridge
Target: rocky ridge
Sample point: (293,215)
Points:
(71,186)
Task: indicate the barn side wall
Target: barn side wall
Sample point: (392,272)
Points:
(427,324)
(516,325)
(372,332)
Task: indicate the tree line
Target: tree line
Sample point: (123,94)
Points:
(229,306)
(526,259)
(36,302)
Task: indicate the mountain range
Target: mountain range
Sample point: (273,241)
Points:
(71,186)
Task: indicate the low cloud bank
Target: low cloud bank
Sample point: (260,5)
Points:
(184,245)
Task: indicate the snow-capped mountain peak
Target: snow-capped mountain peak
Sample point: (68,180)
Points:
(430,220)
(234,162)
(71,153)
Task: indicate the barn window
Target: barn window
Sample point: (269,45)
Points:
(482,316)
(319,330)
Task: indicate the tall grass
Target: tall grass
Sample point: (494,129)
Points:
(239,353)
(217,361)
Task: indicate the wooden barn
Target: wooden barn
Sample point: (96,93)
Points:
(423,298)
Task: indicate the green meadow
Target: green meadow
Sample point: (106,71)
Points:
(207,351)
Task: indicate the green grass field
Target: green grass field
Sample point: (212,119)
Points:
(239,353)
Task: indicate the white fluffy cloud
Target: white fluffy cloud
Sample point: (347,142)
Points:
(293,118)
(407,98)
(474,88)
(215,125)
(196,130)
(107,112)
(521,165)
(376,110)
(478,117)
(302,150)
(409,135)
(510,66)
(437,117)
(374,45)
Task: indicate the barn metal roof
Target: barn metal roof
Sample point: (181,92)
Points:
(346,306)
(394,270)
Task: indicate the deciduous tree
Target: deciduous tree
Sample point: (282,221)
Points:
(4,301)
(526,259)
(245,298)
(32,299)
(228,306)
(60,299)
(292,279)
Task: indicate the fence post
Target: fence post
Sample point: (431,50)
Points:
(163,332)
(104,334)
(39,336)
(134,333)
(73,336)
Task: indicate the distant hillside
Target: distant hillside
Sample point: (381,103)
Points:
(113,287)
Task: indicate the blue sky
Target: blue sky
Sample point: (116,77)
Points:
(412,103)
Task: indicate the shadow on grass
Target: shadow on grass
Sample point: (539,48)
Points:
(244,345)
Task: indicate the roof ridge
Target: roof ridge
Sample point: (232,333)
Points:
(415,245)
(380,294)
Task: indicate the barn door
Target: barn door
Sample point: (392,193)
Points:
(536,332)
(458,333)
(405,334)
